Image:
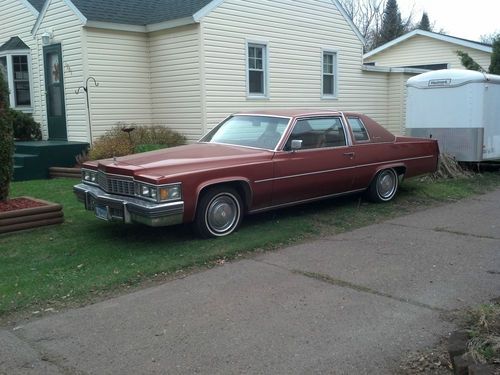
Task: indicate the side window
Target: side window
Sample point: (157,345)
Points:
(318,132)
(358,129)
(329,76)
(257,70)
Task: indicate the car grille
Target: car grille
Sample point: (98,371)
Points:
(115,184)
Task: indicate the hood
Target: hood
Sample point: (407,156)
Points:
(182,159)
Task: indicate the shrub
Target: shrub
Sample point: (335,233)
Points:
(6,141)
(116,142)
(25,128)
(157,135)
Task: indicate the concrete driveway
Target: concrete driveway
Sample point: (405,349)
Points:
(347,304)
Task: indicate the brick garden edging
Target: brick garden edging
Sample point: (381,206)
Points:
(26,218)
(65,172)
(464,364)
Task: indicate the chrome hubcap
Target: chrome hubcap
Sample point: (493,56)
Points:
(222,213)
(386,184)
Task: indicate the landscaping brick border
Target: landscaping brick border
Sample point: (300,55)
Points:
(26,218)
(65,172)
(463,363)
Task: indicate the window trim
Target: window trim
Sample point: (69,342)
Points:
(265,65)
(10,78)
(335,73)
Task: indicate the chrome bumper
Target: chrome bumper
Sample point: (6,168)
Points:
(114,207)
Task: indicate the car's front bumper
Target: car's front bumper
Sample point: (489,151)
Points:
(114,207)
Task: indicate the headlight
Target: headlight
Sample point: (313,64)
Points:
(89,176)
(163,193)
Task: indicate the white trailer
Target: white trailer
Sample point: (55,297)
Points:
(459,108)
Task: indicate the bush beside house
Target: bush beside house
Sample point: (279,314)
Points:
(6,141)
(25,127)
(125,139)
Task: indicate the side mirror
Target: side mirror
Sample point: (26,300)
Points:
(296,144)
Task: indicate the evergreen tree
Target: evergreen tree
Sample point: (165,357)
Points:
(392,24)
(424,23)
(468,62)
(495,56)
(6,141)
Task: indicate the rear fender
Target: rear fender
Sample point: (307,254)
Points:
(400,169)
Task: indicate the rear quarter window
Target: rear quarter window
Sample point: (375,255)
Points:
(358,129)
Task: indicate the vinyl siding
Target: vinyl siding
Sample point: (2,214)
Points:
(17,20)
(420,50)
(175,80)
(119,61)
(396,102)
(67,30)
(296,34)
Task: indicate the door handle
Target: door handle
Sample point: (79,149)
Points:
(350,155)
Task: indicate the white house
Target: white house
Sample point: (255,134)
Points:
(187,64)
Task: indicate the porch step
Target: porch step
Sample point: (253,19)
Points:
(24,159)
(26,167)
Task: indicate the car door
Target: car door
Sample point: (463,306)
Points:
(321,167)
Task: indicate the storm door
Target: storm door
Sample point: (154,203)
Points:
(54,90)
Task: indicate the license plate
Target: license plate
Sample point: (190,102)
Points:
(102,212)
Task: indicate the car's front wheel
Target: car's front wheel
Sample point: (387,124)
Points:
(219,212)
(384,186)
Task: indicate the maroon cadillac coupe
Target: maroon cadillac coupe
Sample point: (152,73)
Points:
(252,162)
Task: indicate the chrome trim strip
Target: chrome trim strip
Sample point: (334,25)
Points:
(340,169)
(304,201)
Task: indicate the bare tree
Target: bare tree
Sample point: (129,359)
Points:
(489,38)
(367,15)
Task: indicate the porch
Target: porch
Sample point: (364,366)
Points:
(33,159)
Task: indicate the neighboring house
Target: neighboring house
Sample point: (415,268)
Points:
(186,64)
(428,50)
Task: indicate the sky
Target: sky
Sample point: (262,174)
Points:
(460,18)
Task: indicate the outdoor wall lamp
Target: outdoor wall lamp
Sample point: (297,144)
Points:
(47,37)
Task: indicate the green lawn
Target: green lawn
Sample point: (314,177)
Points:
(85,257)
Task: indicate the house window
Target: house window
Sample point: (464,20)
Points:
(257,70)
(329,83)
(15,69)
(21,74)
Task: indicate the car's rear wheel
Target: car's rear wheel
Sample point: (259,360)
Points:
(219,212)
(384,186)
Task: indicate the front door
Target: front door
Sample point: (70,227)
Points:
(54,89)
(323,167)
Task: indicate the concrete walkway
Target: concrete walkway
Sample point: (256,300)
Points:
(347,304)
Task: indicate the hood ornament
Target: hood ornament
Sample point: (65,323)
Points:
(114,159)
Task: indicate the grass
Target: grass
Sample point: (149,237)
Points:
(84,258)
(483,325)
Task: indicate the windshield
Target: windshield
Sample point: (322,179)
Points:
(252,131)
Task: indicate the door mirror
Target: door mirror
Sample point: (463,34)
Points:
(296,144)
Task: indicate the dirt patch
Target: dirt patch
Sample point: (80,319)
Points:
(433,361)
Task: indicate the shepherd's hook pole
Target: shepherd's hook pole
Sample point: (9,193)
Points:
(86,89)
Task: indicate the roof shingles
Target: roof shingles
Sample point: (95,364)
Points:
(134,12)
